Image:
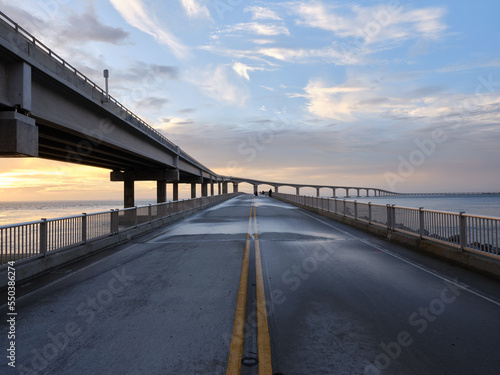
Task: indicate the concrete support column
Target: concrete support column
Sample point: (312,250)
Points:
(276,188)
(235,187)
(204,189)
(193,190)
(358,192)
(255,190)
(347,192)
(219,188)
(161,191)
(297,191)
(224,188)
(212,188)
(334,195)
(18,135)
(317,192)
(175,191)
(19,82)
(128,193)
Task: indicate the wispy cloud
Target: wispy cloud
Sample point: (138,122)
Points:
(194,9)
(221,84)
(258,28)
(261,13)
(243,69)
(381,23)
(136,14)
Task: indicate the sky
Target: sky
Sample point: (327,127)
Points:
(398,95)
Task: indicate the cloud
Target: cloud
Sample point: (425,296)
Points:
(310,55)
(261,13)
(386,24)
(88,27)
(139,71)
(330,102)
(195,10)
(470,66)
(137,15)
(258,29)
(151,103)
(72,27)
(220,83)
(370,97)
(186,110)
(243,70)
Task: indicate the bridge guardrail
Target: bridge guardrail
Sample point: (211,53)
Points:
(43,237)
(143,125)
(475,233)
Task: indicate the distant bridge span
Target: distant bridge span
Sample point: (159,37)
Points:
(256,183)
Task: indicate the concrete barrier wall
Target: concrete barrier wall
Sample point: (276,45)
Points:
(470,260)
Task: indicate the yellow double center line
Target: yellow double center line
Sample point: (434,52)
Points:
(263,339)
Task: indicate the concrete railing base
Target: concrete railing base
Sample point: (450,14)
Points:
(466,259)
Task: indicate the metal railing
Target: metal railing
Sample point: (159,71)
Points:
(474,233)
(42,237)
(128,114)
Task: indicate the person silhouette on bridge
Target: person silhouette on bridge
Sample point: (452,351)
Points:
(270,192)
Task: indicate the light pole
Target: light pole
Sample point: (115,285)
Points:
(106,76)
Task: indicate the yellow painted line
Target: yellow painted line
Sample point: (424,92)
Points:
(237,340)
(263,338)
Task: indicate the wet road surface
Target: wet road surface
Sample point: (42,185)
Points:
(337,301)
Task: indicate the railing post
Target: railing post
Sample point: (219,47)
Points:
(389,217)
(43,237)
(369,212)
(345,205)
(149,213)
(463,230)
(114,222)
(422,222)
(135,216)
(355,210)
(84,227)
(393,216)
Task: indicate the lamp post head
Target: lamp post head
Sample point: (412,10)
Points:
(106,73)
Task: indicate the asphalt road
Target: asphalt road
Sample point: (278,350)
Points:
(338,301)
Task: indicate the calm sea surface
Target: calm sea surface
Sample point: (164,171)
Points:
(20,212)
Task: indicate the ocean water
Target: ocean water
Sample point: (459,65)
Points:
(21,212)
